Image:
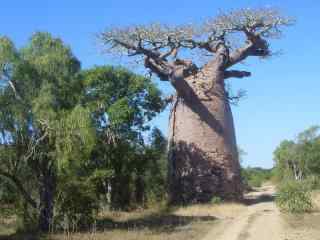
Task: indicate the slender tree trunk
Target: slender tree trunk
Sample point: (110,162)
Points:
(120,192)
(140,190)
(203,158)
(46,191)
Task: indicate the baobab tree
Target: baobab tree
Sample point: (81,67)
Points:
(203,158)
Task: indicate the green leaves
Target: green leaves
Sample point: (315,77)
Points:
(63,124)
(75,137)
(123,99)
(8,52)
(51,57)
(301,158)
(41,117)
(298,169)
(8,60)
(120,113)
(294,197)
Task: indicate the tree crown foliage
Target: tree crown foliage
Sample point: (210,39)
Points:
(300,158)
(60,123)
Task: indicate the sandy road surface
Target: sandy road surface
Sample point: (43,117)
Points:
(261,220)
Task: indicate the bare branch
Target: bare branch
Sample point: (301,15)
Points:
(162,43)
(257,25)
(144,39)
(263,22)
(162,70)
(5,72)
(235,98)
(236,74)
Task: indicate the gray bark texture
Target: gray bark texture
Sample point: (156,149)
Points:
(203,159)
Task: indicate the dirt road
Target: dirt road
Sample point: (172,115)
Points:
(261,220)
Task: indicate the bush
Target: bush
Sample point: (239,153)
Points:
(314,182)
(294,197)
(27,217)
(77,206)
(255,177)
(8,195)
(255,181)
(216,200)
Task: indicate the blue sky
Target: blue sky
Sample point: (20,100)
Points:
(283,92)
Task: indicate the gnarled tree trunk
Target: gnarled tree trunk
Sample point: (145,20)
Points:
(203,159)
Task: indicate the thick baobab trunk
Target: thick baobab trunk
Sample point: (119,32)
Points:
(203,159)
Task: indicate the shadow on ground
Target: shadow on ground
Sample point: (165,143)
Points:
(168,223)
(258,199)
(21,236)
(155,222)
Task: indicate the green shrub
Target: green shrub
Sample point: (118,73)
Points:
(255,177)
(314,182)
(294,197)
(255,181)
(77,206)
(216,200)
(27,217)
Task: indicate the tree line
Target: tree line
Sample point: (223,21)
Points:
(73,140)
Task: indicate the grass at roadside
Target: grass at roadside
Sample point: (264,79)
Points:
(306,225)
(7,226)
(180,223)
(7,220)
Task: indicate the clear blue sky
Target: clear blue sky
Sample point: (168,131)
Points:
(283,93)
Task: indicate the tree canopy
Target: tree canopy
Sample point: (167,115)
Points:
(163,46)
(63,128)
(299,159)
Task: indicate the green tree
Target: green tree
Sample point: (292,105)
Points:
(301,158)
(156,171)
(67,132)
(122,104)
(297,165)
(44,127)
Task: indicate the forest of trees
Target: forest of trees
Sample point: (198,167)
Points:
(74,140)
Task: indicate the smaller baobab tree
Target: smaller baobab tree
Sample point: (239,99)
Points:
(203,159)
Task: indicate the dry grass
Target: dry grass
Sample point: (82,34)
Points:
(220,211)
(7,222)
(192,222)
(179,223)
(185,223)
(316,199)
(195,231)
(7,226)
(304,226)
